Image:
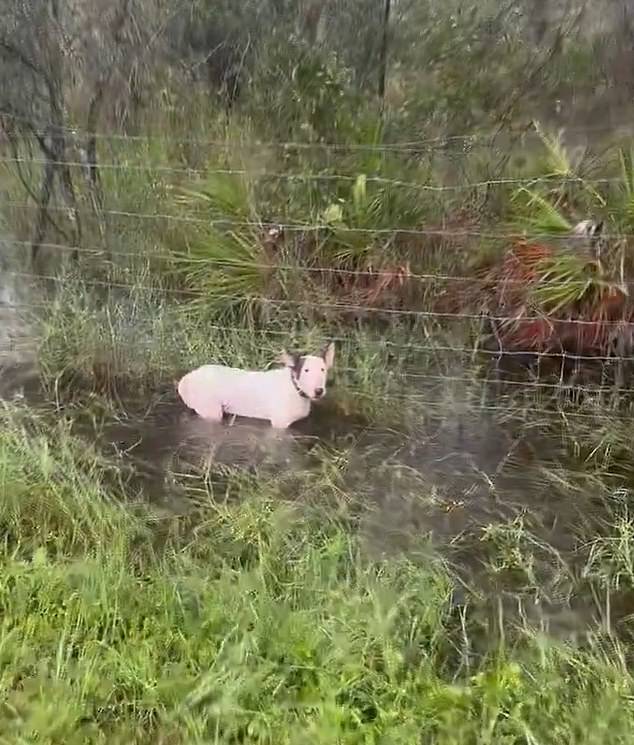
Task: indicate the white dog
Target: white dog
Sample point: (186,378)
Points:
(282,396)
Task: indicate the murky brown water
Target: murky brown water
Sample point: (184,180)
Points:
(455,478)
(445,477)
(455,481)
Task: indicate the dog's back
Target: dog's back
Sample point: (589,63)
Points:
(212,390)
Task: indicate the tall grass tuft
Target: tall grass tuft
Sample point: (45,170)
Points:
(224,260)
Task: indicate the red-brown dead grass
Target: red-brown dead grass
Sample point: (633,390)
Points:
(599,324)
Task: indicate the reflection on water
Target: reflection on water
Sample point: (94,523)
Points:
(453,480)
(445,476)
(176,439)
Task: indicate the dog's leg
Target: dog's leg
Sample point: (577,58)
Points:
(210,411)
(279,422)
(197,390)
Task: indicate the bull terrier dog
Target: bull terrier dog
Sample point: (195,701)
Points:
(281,396)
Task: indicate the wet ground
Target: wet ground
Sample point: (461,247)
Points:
(487,496)
(486,493)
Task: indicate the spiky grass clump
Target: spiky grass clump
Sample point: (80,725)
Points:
(558,298)
(257,622)
(54,498)
(223,258)
(538,216)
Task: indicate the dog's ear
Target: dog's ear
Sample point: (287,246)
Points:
(329,354)
(598,229)
(286,359)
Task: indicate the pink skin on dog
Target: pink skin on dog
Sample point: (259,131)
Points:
(281,396)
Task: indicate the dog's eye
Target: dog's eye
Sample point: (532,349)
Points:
(323,369)
(306,370)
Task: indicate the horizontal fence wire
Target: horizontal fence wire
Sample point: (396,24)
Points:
(319,226)
(456,233)
(291,302)
(260,173)
(416,145)
(213,263)
(475,383)
(381,344)
(469,407)
(451,233)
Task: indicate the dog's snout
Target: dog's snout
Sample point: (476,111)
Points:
(319,392)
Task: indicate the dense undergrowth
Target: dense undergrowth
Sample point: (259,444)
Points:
(252,615)
(450,559)
(261,620)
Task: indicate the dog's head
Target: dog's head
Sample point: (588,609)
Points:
(309,372)
(593,232)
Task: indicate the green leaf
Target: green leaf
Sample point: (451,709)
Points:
(333,214)
(359,193)
(558,159)
(40,557)
(538,215)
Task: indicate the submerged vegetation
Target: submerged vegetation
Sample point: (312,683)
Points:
(443,552)
(251,616)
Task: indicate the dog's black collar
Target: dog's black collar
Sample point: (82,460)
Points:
(297,388)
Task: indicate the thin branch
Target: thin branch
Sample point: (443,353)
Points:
(384,51)
(28,188)
(46,191)
(21,57)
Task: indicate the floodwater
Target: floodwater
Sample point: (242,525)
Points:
(449,485)
(479,491)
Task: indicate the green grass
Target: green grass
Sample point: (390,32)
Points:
(408,578)
(363,595)
(257,621)
(256,616)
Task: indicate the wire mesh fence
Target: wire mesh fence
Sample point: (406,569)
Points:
(408,284)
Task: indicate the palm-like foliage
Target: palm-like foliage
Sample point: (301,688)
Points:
(552,299)
(624,202)
(558,295)
(360,224)
(538,216)
(567,281)
(225,260)
(563,280)
(559,186)
(558,159)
